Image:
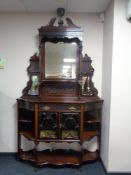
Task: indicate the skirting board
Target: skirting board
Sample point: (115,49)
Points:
(8,153)
(113,173)
(118,173)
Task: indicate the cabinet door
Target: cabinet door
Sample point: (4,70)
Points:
(48,125)
(70,125)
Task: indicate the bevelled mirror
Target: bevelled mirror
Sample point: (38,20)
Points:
(60,60)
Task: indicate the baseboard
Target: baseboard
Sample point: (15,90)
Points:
(113,173)
(118,173)
(8,153)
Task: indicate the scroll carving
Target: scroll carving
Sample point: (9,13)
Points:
(33,72)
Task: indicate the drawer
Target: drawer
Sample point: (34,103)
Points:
(59,107)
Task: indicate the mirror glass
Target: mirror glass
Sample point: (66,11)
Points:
(34,90)
(60,60)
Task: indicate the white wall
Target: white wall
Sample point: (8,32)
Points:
(120,113)
(116,130)
(19,41)
(106,80)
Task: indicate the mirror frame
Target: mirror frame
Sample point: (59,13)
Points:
(56,40)
(68,33)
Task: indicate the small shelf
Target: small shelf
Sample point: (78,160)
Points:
(60,157)
(28,135)
(67,80)
(58,140)
(87,135)
(25,121)
(92,120)
(26,155)
(91,123)
(89,156)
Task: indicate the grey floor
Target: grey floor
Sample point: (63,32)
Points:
(10,166)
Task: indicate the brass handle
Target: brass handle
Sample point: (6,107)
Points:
(72,108)
(46,108)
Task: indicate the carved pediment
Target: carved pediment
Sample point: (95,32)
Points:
(60,28)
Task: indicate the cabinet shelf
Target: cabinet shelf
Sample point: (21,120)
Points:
(92,120)
(28,135)
(58,140)
(88,156)
(25,121)
(60,157)
(26,155)
(87,135)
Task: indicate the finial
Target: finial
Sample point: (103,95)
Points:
(60,12)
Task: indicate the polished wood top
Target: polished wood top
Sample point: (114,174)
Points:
(78,100)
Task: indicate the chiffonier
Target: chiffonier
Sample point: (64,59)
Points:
(59,112)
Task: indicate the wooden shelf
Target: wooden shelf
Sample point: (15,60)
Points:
(28,135)
(93,120)
(87,135)
(89,156)
(58,157)
(26,155)
(58,140)
(25,121)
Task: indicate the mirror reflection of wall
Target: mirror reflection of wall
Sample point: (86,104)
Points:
(60,60)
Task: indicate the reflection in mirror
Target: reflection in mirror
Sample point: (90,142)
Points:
(83,83)
(34,90)
(60,60)
(86,85)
